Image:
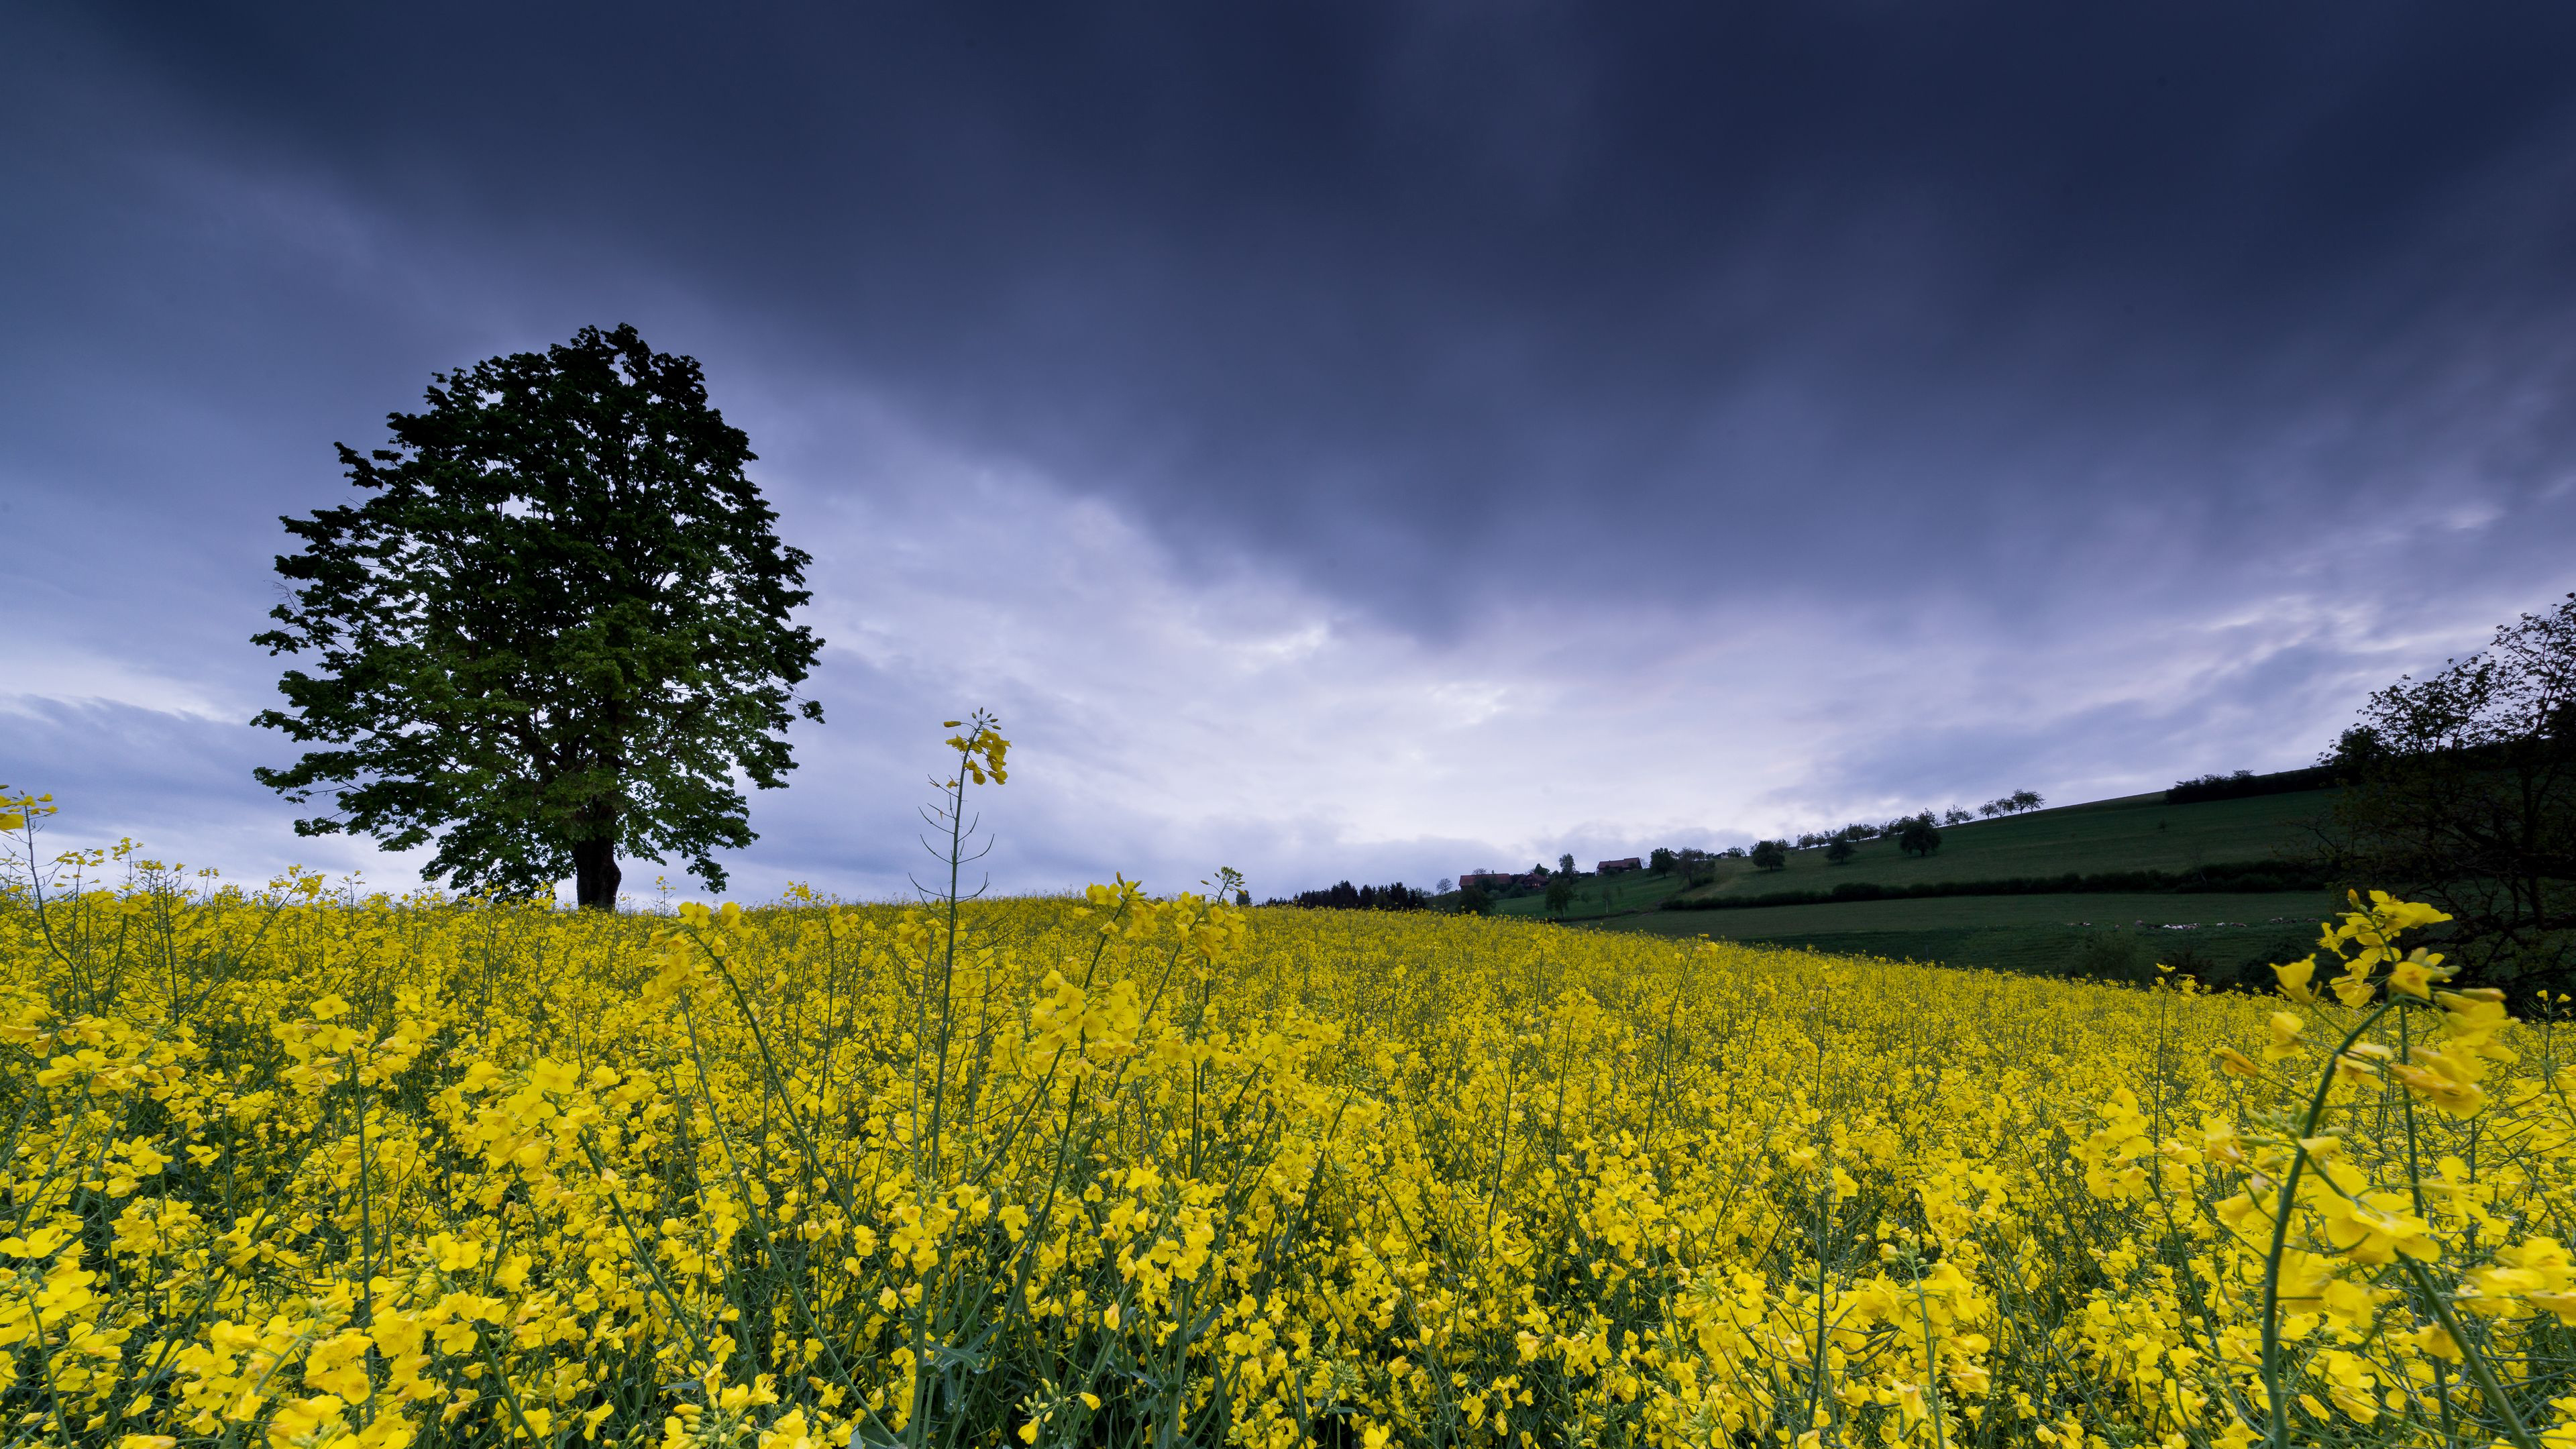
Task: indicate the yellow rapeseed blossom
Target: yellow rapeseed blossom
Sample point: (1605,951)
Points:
(298,1170)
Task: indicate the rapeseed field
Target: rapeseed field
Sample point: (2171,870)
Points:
(290,1168)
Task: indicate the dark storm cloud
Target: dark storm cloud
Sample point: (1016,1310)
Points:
(1440,304)
(1343,438)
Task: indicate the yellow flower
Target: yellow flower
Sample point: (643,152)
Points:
(2448,1080)
(2396,915)
(2436,1341)
(790,1432)
(2286,1032)
(2415,975)
(2376,1229)
(303,1423)
(2294,978)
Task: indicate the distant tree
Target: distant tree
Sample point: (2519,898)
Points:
(2460,790)
(1956,816)
(1733,852)
(2012,804)
(1920,837)
(1841,851)
(1474,902)
(1242,897)
(554,631)
(1770,855)
(1565,863)
(1660,860)
(1445,887)
(1560,894)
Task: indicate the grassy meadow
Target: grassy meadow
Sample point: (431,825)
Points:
(2220,938)
(1124,1170)
(2102,935)
(2136,832)
(1596,896)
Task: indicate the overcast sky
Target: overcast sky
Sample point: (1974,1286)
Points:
(1351,440)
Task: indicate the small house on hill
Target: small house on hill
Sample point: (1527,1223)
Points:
(1614,867)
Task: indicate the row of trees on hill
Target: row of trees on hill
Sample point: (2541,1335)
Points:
(1343,896)
(1918,834)
(1915,835)
(1913,827)
(2245,784)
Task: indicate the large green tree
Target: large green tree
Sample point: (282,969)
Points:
(554,631)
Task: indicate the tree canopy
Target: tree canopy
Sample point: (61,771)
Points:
(2460,789)
(1560,893)
(553,632)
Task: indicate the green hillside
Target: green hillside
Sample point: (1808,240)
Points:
(2222,939)
(1596,896)
(2135,832)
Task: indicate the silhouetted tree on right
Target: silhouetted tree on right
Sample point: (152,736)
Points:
(2460,790)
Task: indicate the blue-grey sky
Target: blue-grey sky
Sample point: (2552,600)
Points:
(1350,439)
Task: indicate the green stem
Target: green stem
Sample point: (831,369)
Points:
(2476,1361)
(2278,1403)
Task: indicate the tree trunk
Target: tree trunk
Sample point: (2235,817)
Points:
(595,874)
